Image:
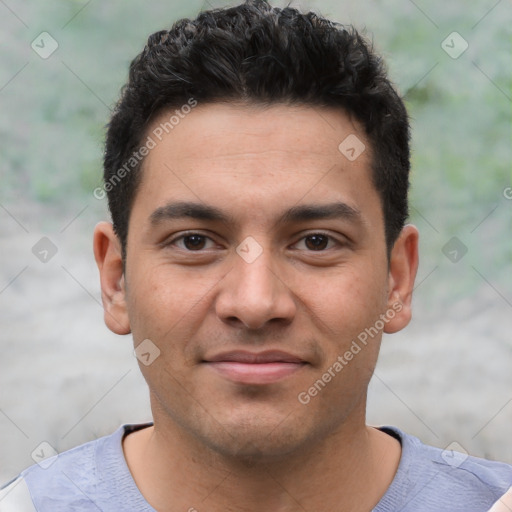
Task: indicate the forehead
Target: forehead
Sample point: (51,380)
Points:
(256,159)
(228,129)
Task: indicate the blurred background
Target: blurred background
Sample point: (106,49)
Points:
(65,379)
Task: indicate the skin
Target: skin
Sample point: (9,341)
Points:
(504,504)
(223,445)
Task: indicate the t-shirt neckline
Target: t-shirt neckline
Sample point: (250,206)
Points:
(133,496)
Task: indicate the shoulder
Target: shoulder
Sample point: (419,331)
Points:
(430,478)
(71,480)
(15,497)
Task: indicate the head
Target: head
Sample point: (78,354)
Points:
(266,213)
(258,55)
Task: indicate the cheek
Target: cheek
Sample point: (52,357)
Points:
(353,300)
(168,316)
(350,307)
(158,301)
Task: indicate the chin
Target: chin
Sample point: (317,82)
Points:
(258,438)
(252,446)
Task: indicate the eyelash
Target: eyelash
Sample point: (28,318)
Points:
(192,233)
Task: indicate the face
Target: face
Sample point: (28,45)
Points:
(256,257)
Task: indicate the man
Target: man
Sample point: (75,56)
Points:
(257,168)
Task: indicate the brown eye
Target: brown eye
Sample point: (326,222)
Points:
(319,242)
(194,242)
(316,242)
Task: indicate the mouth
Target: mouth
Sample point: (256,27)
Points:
(255,368)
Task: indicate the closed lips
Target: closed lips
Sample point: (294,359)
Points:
(256,358)
(248,368)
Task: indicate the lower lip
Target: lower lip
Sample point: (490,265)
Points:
(255,373)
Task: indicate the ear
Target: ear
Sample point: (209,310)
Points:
(403,265)
(108,255)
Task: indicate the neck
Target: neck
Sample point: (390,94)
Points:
(350,469)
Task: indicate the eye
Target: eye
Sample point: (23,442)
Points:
(192,242)
(318,242)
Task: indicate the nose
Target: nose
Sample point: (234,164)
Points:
(254,294)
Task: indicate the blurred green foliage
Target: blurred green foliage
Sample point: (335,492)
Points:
(55,110)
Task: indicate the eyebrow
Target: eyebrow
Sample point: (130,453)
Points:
(199,211)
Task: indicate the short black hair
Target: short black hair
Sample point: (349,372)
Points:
(258,54)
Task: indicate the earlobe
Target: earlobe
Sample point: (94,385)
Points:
(108,255)
(403,266)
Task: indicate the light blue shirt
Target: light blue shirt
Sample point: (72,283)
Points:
(94,477)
